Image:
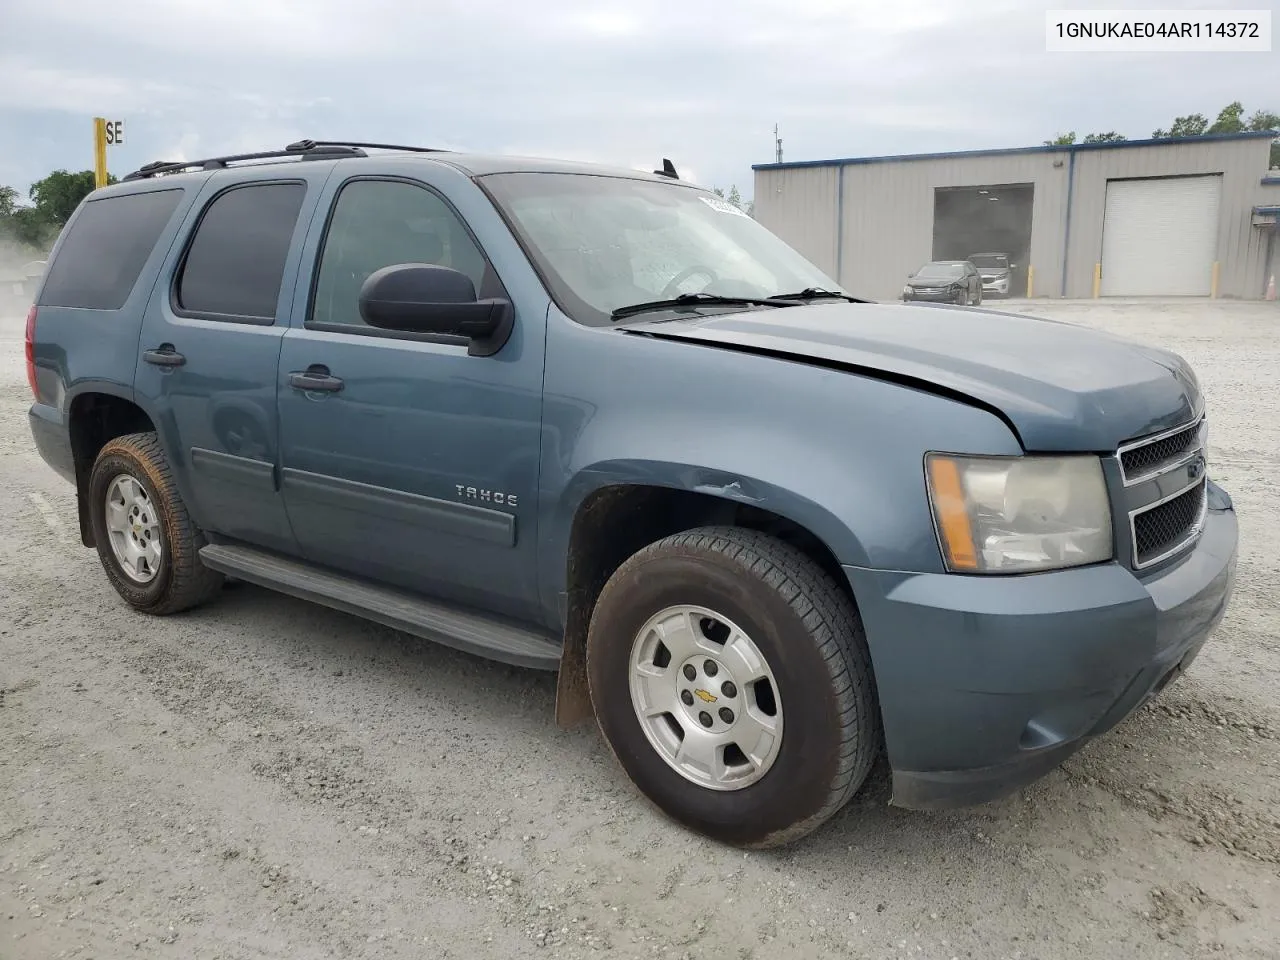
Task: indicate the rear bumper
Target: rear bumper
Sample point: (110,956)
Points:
(987,684)
(53,439)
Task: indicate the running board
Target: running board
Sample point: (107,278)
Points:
(471,632)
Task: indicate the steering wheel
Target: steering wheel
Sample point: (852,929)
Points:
(672,287)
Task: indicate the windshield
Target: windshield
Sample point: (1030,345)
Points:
(607,242)
(989,262)
(940,271)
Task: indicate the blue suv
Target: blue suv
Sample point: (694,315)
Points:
(601,422)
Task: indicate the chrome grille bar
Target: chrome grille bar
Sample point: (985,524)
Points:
(1164,527)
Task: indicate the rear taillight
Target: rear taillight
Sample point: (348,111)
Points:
(31,351)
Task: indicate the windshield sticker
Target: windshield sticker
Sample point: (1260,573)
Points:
(723,206)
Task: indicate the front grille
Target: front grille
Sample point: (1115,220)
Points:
(1150,458)
(1161,530)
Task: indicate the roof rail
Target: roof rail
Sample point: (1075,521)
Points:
(302,149)
(312,144)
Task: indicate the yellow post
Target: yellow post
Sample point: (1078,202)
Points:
(1097,279)
(99,152)
(1031,276)
(1213,284)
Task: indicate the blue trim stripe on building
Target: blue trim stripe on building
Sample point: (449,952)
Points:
(1015,151)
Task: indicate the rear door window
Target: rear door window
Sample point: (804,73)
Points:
(105,248)
(235,263)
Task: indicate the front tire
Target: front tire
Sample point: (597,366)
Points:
(146,540)
(731,678)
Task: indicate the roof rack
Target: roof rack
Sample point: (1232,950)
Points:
(302,149)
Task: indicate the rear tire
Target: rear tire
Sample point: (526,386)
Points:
(773,621)
(146,540)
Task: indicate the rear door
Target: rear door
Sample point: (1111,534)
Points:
(211,342)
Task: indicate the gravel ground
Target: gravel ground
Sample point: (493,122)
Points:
(265,778)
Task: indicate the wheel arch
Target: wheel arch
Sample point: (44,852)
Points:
(614,518)
(96,415)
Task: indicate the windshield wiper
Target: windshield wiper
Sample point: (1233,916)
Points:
(699,300)
(817,293)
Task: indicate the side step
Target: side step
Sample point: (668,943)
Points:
(471,632)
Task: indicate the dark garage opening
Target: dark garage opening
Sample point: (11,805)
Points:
(995,218)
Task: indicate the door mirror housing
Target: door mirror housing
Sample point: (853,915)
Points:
(428,298)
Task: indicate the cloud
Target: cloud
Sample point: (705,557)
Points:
(699,81)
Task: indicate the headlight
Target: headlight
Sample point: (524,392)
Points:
(906,289)
(1019,514)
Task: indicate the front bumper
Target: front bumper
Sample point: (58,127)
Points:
(944,296)
(999,285)
(988,683)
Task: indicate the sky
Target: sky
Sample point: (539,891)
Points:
(700,81)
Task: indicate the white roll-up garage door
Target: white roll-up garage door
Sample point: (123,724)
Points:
(1160,237)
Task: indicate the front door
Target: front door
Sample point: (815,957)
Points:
(211,340)
(404,459)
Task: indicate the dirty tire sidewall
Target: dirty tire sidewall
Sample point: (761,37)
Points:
(799,791)
(183,581)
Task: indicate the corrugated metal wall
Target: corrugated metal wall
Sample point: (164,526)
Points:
(888,221)
(887,229)
(1242,248)
(799,204)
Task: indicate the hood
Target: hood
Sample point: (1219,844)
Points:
(933,281)
(993,271)
(1060,386)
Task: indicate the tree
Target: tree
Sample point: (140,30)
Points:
(1192,125)
(1230,120)
(1261,120)
(57,195)
(21,224)
(1069,138)
(734,197)
(30,229)
(1264,120)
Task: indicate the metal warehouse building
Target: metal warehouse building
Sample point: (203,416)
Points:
(1189,217)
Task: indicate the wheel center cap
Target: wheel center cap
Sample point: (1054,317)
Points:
(710,697)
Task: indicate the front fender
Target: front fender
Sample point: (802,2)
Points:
(840,454)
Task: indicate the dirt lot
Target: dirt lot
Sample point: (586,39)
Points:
(265,778)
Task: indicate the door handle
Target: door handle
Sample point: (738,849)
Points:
(164,356)
(316,377)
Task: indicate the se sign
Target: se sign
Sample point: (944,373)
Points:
(115,132)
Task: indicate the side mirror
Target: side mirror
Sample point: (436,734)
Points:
(428,298)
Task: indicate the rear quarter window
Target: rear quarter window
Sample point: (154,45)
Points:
(105,248)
